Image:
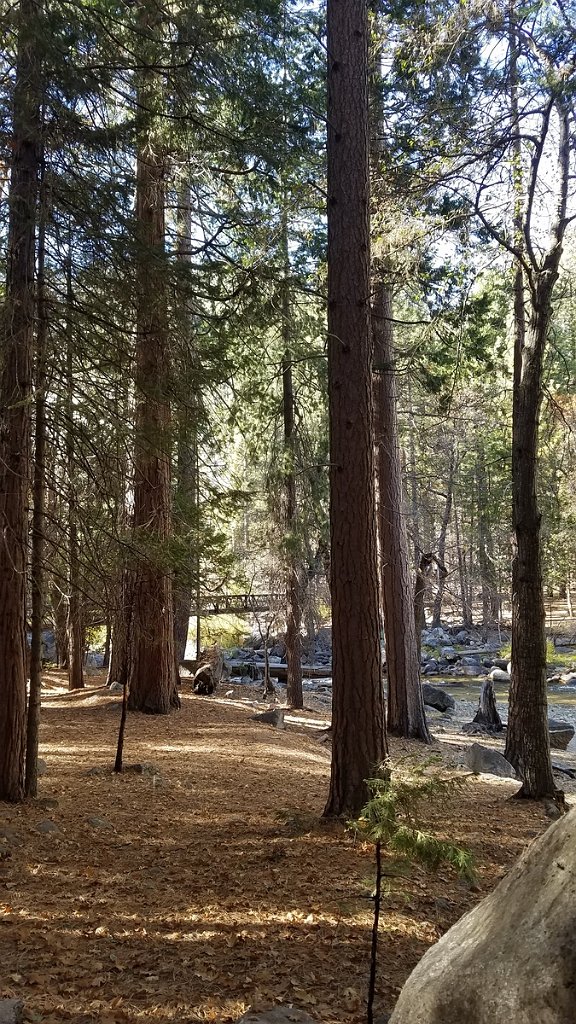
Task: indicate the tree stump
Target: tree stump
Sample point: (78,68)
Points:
(487,714)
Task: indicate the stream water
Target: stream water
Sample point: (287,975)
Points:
(466,691)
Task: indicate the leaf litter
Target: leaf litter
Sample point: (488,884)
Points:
(213,885)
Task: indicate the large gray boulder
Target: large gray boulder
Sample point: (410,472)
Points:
(511,960)
(488,761)
(434,697)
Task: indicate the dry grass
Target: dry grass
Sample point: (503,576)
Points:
(216,886)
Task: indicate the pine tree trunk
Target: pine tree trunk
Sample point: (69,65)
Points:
(186,493)
(60,620)
(406,716)
(359,738)
(527,736)
(292,541)
(442,573)
(485,560)
(17,345)
(75,626)
(121,621)
(467,621)
(294,694)
(107,644)
(152,672)
(185,505)
(37,575)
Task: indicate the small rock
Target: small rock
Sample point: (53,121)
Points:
(116,688)
(11,1011)
(144,768)
(47,803)
(99,822)
(275,717)
(12,838)
(47,826)
(449,653)
(41,767)
(475,729)
(500,663)
(276,1015)
(498,675)
(488,761)
(442,904)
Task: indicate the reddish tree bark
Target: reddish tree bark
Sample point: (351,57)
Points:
(17,345)
(406,715)
(152,666)
(359,737)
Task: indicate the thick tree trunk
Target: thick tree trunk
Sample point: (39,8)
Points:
(152,664)
(16,348)
(359,738)
(527,736)
(406,716)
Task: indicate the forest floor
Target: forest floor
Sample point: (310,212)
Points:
(208,883)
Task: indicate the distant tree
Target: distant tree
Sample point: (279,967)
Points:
(406,715)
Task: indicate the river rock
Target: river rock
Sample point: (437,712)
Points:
(449,653)
(437,698)
(560,733)
(498,675)
(512,958)
(487,761)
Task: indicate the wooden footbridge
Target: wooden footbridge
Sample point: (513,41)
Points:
(237,604)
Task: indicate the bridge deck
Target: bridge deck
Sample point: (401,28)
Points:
(238,604)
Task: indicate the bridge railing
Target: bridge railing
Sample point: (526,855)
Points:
(237,604)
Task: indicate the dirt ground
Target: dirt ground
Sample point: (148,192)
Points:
(208,883)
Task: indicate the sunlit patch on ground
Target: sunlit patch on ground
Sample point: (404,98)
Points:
(210,884)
